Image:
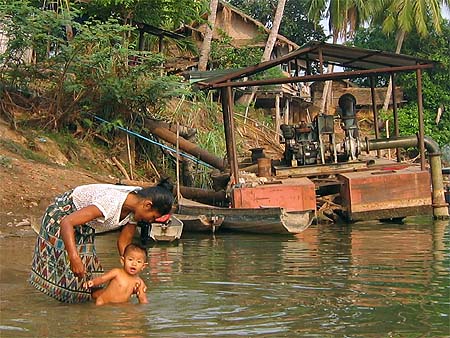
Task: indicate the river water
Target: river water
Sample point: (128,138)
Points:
(367,279)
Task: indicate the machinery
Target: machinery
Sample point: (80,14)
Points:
(315,142)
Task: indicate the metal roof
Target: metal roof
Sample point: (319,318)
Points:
(357,62)
(153,30)
(354,57)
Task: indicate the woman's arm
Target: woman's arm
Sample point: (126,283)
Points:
(70,221)
(125,237)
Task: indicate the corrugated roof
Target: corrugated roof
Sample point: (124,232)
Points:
(354,57)
(360,62)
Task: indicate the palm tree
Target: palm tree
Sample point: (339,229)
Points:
(274,31)
(402,16)
(269,46)
(344,18)
(206,44)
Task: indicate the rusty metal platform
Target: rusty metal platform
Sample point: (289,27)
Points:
(295,194)
(387,193)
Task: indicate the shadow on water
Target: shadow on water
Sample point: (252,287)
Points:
(368,279)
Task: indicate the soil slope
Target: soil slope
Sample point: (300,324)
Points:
(27,186)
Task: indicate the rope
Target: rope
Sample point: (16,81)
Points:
(190,157)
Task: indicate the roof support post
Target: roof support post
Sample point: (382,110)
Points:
(227,111)
(277,117)
(160,44)
(141,40)
(421,125)
(320,61)
(375,111)
(394,110)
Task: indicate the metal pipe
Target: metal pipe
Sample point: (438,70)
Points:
(440,208)
(157,129)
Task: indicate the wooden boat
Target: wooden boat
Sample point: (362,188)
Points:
(265,220)
(201,223)
(162,232)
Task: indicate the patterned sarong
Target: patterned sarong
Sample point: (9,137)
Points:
(50,268)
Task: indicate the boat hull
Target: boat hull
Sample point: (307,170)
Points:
(254,220)
(162,232)
(201,223)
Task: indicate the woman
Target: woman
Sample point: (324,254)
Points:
(64,255)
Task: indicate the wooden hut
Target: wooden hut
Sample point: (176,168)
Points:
(362,94)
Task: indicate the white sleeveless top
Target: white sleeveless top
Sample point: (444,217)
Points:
(109,198)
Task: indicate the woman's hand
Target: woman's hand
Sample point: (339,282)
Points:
(77,266)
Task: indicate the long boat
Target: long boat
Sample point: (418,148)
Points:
(263,220)
(201,222)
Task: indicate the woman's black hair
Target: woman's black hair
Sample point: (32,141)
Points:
(161,196)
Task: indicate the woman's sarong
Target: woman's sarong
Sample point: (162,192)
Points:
(50,268)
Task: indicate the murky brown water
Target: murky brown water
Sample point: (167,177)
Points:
(362,280)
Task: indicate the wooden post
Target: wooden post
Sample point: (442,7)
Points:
(394,109)
(141,40)
(277,117)
(178,162)
(375,111)
(130,159)
(421,126)
(227,102)
(286,112)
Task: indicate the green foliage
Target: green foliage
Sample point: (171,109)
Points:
(409,123)
(5,162)
(91,70)
(435,82)
(65,140)
(212,140)
(25,152)
(223,55)
(28,28)
(168,14)
(408,15)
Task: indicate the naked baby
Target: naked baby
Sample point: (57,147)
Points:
(123,282)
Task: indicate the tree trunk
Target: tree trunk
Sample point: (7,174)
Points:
(327,88)
(269,46)
(206,44)
(274,31)
(400,37)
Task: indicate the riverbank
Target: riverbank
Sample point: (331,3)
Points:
(28,185)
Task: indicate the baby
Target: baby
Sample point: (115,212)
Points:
(123,282)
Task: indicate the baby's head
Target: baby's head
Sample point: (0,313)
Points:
(134,258)
(137,248)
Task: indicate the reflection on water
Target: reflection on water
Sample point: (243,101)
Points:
(367,279)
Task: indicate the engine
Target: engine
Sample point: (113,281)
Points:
(315,142)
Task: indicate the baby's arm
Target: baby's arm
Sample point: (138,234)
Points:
(102,279)
(141,292)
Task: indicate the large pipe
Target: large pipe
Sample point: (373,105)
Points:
(158,129)
(440,208)
(197,194)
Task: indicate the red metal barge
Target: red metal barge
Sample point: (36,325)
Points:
(316,164)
